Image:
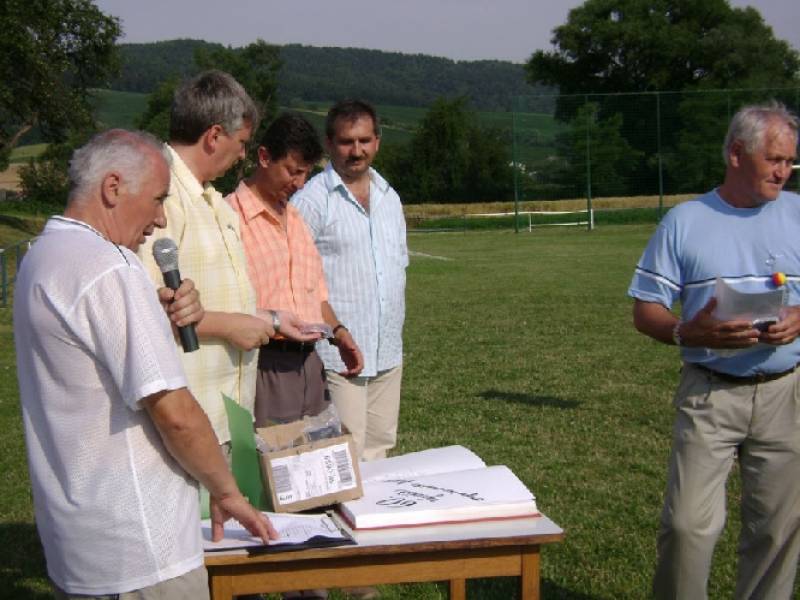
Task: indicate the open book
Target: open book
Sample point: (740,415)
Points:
(438,486)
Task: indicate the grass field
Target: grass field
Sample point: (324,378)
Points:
(24,153)
(120,109)
(521,348)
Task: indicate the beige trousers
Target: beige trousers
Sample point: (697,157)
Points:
(369,407)
(715,421)
(189,586)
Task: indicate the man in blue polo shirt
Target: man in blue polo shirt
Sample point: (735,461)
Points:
(739,392)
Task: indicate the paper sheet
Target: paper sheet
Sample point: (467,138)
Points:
(426,462)
(293,530)
(733,305)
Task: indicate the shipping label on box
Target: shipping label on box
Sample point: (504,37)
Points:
(313,474)
(306,474)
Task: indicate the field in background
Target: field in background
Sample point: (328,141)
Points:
(120,109)
(24,153)
(521,348)
(432,210)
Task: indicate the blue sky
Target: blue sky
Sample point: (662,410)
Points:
(458,29)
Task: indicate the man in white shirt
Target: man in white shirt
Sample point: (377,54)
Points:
(116,442)
(357,222)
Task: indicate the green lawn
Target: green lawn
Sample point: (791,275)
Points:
(521,348)
(24,153)
(120,109)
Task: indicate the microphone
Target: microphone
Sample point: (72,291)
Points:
(165,252)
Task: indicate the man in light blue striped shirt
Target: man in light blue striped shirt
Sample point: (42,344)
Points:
(357,223)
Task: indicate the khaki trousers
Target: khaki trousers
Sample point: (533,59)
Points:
(369,407)
(714,421)
(189,586)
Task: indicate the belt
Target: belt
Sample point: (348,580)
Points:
(747,379)
(290,346)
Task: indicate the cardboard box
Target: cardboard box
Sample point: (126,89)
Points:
(309,474)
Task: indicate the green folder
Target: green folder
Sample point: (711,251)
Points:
(244,457)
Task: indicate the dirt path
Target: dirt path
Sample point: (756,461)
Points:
(9,180)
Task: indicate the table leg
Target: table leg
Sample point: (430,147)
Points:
(530,579)
(457,589)
(220,587)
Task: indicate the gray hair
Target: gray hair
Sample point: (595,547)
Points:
(749,124)
(118,150)
(211,98)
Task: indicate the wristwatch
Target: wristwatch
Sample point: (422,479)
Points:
(676,334)
(276,321)
(332,339)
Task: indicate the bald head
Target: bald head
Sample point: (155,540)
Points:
(131,154)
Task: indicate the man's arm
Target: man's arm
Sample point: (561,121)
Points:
(702,331)
(244,331)
(248,332)
(348,349)
(189,438)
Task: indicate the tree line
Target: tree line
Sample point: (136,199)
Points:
(605,52)
(312,74)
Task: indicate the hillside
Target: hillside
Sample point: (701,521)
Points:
(323,74)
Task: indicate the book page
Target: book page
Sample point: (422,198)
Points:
(415,464)
(489,492)
(293,529)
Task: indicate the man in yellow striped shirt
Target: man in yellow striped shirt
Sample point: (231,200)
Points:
(211,122)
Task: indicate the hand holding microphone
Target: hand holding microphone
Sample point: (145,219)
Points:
(165,253)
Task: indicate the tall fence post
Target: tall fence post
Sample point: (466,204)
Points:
(5,280)
(588,161)
(514,164)
(3,274)
(660,163)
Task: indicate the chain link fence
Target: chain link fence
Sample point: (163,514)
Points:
(631,147)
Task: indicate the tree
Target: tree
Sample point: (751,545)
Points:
(44,179)
(439,146)
(612,52)
(613,46)
(155,119)
(612,160)
(450,158)
(52,54)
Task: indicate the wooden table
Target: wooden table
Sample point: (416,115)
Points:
(452,553)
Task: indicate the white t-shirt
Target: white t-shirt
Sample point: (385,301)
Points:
(115,512)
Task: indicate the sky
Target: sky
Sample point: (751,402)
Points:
(458,29)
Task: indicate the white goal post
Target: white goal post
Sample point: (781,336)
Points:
(587,220)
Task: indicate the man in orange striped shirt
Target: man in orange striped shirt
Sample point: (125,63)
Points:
(285,268)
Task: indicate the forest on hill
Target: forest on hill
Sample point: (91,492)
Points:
(324,74)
